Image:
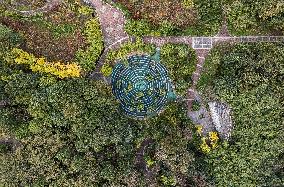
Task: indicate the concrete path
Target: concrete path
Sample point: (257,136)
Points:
(112,22)
(111,19)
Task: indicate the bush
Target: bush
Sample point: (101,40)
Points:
(4,148)
(257,17)
(87,58)
(127,48)
(137,28)
(8,39)
(197,17)
(180,62)
(42,66)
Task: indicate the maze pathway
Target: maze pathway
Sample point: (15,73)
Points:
(141,85)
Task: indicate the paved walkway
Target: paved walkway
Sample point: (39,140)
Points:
(111,19)
(209,42)
(112,22)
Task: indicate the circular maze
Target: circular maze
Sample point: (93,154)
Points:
(141,85)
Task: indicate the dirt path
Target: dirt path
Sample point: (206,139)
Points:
(49,6)
(141,163)
(112,22)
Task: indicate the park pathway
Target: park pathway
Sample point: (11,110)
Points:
(112,22)
(202,47)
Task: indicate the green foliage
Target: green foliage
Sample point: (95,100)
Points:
(87,58)
(4,148)
(125,49)
(168,181)
(137,28)
(209,18)
(63,30)
(180,61)
(74,134)
(248,78)
(8,39)
(106,70)
(203,17)
(257,17)
(80,116)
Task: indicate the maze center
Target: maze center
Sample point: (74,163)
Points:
(141,85)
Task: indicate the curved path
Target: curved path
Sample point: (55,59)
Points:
(49,6)
(140,161)
(112,22)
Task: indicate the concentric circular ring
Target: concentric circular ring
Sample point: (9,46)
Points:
(141,85)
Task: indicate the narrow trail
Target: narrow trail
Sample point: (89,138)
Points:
(140,161)
(49,6)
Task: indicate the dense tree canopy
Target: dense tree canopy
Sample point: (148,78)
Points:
(255,17)
(249,78)
(73,133)
(59,130)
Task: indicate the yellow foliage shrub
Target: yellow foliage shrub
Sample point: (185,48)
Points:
(213,138)
(106,70)
(199,129)
(23,57)
(204,146)
(41,65)
(187,3)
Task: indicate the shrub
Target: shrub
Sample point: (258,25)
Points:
(257,17)
(180,62)
(187,3)
(4,148)
(186,17)
(137,28)
(106,70)
(40,65)
(127,48)
(87,58)
(8,39)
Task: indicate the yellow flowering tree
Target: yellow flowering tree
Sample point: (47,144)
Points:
(40,65)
